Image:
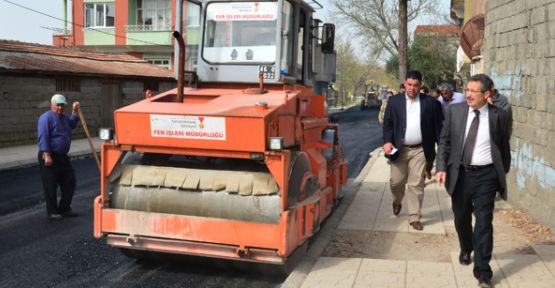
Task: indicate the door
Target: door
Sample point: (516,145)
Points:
(111,100)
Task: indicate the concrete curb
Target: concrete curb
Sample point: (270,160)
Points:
(30,162)
(321,240)
(26,155)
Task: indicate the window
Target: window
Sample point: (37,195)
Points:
(301,46)
(67,85)
(154,14)
(240,32)
(287,15)
(160,62)
(193,14)
(191,57)
(99,15)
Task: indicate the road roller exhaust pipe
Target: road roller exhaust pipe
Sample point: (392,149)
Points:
(180,65)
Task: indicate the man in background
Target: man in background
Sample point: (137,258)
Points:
(383,106)
(448,97)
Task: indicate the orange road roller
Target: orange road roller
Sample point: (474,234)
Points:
(239,161)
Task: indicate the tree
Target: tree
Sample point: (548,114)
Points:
(350,70)
(376,21)
(435,56)
(403,39)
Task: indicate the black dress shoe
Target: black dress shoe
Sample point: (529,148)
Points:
(464,258)
(417,225)
(396,209)
(484,283)
(55,217)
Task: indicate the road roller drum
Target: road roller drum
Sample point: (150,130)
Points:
(238,195)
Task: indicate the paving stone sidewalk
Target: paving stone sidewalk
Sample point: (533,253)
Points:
(373,248)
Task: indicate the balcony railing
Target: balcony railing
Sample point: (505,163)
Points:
(139,28)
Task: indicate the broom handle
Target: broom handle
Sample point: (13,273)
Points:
(84,123)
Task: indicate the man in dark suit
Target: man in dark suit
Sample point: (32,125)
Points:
(411,128)
(473,158)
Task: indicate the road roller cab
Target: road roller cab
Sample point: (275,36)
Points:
(240,164)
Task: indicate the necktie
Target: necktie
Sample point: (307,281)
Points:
(471,139)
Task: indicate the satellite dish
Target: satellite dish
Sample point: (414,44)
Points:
(472,36)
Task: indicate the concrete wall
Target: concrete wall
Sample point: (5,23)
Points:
(519,54)
(99,36)
(25,98)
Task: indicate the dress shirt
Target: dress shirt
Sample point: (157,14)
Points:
(456,98)
(54,132)
(413,133)
(482,151)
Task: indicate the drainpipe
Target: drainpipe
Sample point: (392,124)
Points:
(65,17)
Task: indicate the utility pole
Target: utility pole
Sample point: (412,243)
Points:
(403,39)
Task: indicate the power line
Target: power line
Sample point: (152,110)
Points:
(82,26)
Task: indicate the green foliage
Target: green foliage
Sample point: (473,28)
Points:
(392,65)
(350,69)
(435,56)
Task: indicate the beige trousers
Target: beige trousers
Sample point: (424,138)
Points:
(409,169)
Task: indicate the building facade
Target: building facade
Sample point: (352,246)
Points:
(519,55)
(30,74)
(470,15)
(142,28)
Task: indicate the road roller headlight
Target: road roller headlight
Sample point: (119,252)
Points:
(276,143)
(106,134)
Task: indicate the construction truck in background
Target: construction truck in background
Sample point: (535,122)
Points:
(374,94)
(239,161)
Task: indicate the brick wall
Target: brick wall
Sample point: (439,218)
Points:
(25,98)
(519,54)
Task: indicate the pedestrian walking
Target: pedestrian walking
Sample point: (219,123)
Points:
(411,128)
(473,158)
(436,93)
(54,141)
(383,106)
(500,101)
(448,97)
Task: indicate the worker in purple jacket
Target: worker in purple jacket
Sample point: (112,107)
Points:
(54,139)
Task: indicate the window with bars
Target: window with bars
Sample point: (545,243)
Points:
(68,85)
(99,15)
(154,14)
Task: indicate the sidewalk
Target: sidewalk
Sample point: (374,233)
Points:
(26,155)
(370,247)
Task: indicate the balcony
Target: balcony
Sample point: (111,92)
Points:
(148,28)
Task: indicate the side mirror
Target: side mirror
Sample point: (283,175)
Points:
(328,38)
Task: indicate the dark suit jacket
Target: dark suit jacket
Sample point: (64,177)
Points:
(452,141)
(395,124)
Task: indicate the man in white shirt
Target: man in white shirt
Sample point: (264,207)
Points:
(411,128)
(473,158)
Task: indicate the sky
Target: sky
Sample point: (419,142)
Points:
(17,23)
